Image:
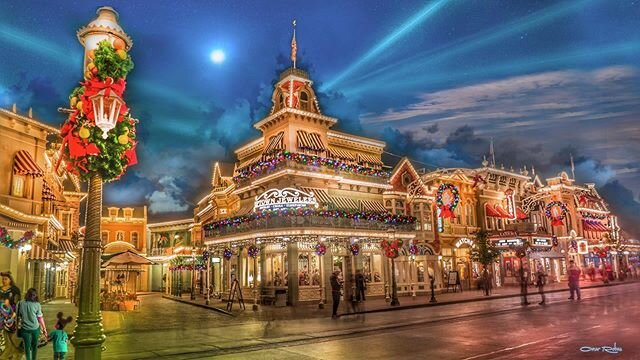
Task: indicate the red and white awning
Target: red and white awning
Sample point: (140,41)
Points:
(23,164)
(521,214)
(39,254)
(594,225)
(491,211)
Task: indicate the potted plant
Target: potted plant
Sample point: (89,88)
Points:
(130,301)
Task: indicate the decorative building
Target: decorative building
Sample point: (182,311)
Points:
(124,229)
(39,202)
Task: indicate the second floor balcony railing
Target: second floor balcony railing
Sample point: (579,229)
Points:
(308,221)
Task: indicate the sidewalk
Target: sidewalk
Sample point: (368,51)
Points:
(311,310)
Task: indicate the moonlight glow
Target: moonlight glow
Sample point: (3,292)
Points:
(217,56)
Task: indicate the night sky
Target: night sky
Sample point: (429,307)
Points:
(436,80)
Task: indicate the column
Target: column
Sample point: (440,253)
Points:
(292,255)
(263,268)
(325,276)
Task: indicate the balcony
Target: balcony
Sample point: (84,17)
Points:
(288,164)
(309,221)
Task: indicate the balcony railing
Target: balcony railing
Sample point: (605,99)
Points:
(293,165)
(309,221)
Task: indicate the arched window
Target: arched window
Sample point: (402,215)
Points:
(280,101)
(119,235)
(304,101)
(105,237)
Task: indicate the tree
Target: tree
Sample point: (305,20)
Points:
(486,254)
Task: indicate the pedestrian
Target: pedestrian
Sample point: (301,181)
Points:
(541,279)
(524,283)
(60,338)
(31,323)
(9,292)
(592,272)
(335,292)
(574,280)
(361,286)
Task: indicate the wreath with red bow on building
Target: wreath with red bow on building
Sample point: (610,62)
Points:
(355,249)
(447,199)
(556,211)
(86,148)
(321,249)
(227,253)
(253,251)
(391,248)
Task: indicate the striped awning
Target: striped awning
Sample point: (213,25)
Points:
(310,141)
(371,205)
(276,143)
(341,154)
(23,164)
(370,159)
(521,214)
(594,225)
(491,211)
(336,202)
(503,213)
(248,162)
(47,191)
(39,254)
(244,210)
(67,245)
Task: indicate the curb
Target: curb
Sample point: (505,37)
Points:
(204,306)
(484,298)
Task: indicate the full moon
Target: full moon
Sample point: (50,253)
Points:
(217,56)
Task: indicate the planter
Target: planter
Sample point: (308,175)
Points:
(129,305)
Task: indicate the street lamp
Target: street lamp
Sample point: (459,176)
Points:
(394,286)
(106,109)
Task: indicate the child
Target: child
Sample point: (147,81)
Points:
(60,338)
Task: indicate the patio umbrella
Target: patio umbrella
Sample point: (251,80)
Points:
(127,258)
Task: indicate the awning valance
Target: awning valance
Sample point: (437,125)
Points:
(370,159)
(23,164)
(341,154)
(310,141)
(39,254)
(276,143)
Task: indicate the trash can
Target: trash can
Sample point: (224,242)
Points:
(281,298)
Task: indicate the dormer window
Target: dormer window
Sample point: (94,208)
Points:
(113,212)
(304,101)
(280,101)
(128,213)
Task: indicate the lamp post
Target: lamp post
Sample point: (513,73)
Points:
(394,286)
(106,107)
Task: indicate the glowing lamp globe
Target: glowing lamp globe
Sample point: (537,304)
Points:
(106,109)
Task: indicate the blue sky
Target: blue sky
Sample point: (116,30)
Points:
(435,79)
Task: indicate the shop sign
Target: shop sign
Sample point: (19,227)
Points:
(541,242)
(511,204)
(582,247)
(464,241)
(505,243)
(286,198)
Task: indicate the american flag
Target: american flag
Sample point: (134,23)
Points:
(294,45)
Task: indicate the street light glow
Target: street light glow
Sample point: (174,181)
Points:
(217,56)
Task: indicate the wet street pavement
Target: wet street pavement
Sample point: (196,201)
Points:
(494,329)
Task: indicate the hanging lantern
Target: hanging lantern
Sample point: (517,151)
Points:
(106,109)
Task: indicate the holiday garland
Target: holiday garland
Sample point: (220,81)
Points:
(601,252)
(391,248)
(448,204)
(557,216)
(7,241)
(180,263)
(84,150)
(386,218)
(270,164)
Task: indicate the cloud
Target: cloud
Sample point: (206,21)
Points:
(168,199)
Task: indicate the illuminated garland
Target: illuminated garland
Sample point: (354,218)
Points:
(391,248)
(198,267)
(557,218)
(253,251)
(355,249)
(84,150)
(386,218)
(7,241)
(321,249)
(588,215)
(447,206)
(314,160)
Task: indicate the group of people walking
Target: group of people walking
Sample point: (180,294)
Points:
(23,326)
(336,290)
(573,272)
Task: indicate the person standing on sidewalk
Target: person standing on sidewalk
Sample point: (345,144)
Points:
(524,283)
(541,279)
(574,280)
(335,292)
(361,286)
(32,323)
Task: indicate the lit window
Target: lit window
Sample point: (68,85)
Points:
(105,237)
(120,236)
(17,189)
(304,101)
(134,239)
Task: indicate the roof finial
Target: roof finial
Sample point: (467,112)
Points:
(294,45)
(573,167)
(492,153)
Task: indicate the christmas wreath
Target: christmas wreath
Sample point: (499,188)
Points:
(391,248)
(253,251)
(556,211)
(413,249)
(205,256)
(447,199)
(86,148)
(7,241)
(321,249)
(227,253)
(355,249)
